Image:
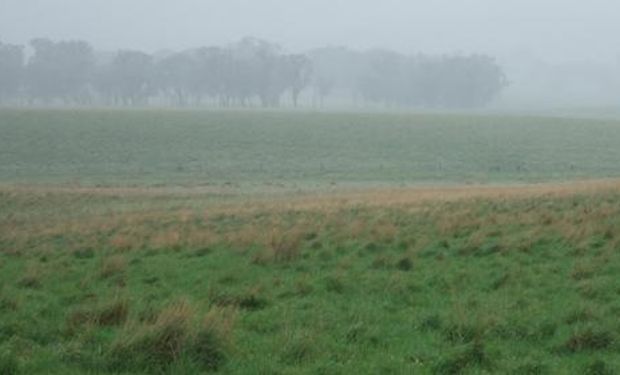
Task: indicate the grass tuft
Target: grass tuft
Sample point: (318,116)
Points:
(461,333)
(250,300)
(473,354)
(286,247)
(405,264)
(589,340)
(31,278)
(298,349)
(335,284)
(84,253)
(154,346)
(174,337)
(213,340)
(431,323)
(111,314)
(114,265)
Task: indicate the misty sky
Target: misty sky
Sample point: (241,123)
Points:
(550,29)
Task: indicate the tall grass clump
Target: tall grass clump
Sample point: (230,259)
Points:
(109,314)
(472,355)
(281,246)
(112,266)
(174,336)
(31,278)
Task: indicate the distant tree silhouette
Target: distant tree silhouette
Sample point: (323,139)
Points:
(247,73)
(11,71)
(60,70)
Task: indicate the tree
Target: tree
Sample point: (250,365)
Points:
(423,81)
(11,71)
(176,75)
(298,72)
(256,64)
(213,72)
(129,77)
(60,70)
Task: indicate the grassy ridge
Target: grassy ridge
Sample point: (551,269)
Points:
(499,282)
(257,150)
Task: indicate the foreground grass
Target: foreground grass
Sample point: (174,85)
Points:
(497,280)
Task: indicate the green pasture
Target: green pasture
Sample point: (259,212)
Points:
(297,150)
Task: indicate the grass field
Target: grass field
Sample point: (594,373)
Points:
(258,150)
(151,242)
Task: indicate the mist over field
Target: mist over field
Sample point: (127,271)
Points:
(552,54)
(309,187)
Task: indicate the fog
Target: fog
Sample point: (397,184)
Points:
(553,52)
(550,29)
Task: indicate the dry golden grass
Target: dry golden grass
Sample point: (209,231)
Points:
(231,201)
(279,224)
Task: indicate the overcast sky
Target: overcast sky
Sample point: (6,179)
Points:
(550,29)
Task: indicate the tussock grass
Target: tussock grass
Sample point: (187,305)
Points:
(298,347)
(405,264)
(472,355)
(282,245)
(156,345)
(249,300)
(173,336)
(114,265)
(112,313)
(214,339)
(589,339)
(32,277)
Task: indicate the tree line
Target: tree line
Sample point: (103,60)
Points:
(251,72)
